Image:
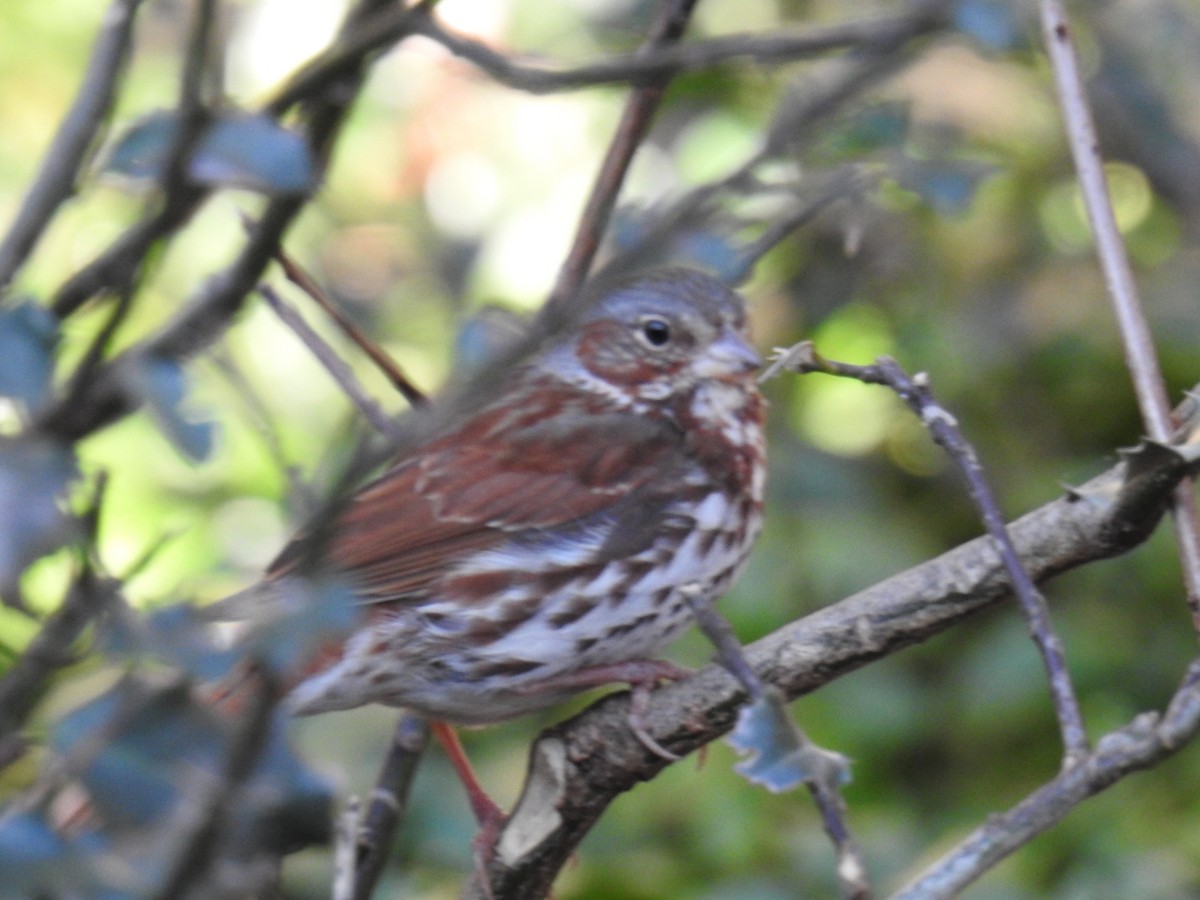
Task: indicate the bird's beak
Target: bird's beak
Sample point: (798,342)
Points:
(729,355)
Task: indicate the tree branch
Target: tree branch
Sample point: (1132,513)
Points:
(631,131)
(211,309)
(1140,356)
(577,768)
(60,166)
(665,62)
(1144,742)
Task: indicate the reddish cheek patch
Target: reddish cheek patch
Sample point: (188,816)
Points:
(605,351)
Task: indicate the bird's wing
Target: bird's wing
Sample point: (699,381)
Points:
(502,474)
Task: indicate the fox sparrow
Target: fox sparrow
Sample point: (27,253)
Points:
(550,536)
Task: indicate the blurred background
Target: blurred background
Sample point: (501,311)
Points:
(969,259)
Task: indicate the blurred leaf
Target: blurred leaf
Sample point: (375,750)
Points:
(28,337)
(485,337)
(134,778)
(300,618)
(777,756)
(879,127)
(33,476)
(149,750)
(176,634)
(142,150)
(235,150)
(991,22)
(291,803)
(948,186)
(256,153)
(35,860)
(162,384)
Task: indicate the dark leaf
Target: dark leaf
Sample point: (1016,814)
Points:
(33,475)
(141,152)
(235,150)
(302,616)
(144,742)
(948,186)
(991,22)
(162,384)
(152,747)
(289,803)
(256,153)
(28,336)
(176,634)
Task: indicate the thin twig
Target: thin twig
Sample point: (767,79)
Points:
(631,130)
(60,165)
(847,183)
(210,310)
(297,275)
(1140,356)
(389,800)
(27,679)
(117,266)
(1144,742)
(200,842)
(579,767)
(664,62)
(812,98)
(334,364)
(851,870)
(944,429)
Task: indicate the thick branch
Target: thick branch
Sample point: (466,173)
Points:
(580,766)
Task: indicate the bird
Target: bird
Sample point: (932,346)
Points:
(547,536)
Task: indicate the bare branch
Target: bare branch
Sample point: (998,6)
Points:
(60,166)
(577,768)
(1140,355)
(1144,742)
(210,309)
(388,801)
(943,428)
(117,266)
(303,280)
(631,131)
(199,846)
(26,680)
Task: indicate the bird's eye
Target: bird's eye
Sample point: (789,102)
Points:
(656,332)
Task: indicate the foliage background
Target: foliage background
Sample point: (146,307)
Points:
(974,264)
